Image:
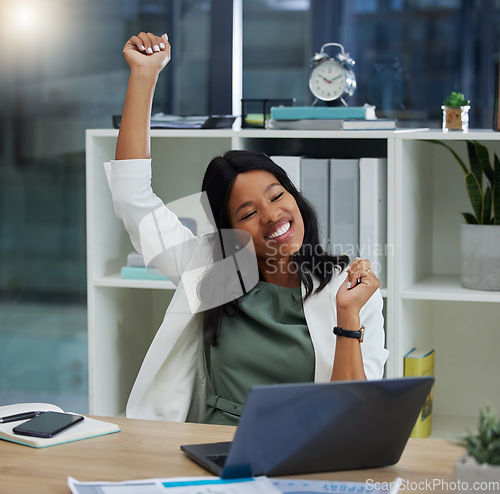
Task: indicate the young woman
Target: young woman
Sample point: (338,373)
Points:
(279,328)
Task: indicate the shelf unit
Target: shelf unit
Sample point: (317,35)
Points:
(430,308)
(424,302)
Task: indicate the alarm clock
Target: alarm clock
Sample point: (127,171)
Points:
(332,79)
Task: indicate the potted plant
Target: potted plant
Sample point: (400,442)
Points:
(481,461)
(480,235)
(455,112)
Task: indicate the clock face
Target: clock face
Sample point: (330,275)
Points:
(328,81)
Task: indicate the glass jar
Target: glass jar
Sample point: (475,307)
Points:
(456,118)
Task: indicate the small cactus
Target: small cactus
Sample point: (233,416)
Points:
(455,100)
(484,445)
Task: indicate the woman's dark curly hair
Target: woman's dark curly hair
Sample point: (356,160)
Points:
(311,259)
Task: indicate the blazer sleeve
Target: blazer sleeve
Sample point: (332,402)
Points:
(373,346)
(154,230)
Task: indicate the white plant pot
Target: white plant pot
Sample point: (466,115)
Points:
(471,476)
(480,254)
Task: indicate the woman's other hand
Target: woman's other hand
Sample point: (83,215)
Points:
(359,285)
(147,51)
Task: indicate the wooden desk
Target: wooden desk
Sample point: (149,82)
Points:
(150,449)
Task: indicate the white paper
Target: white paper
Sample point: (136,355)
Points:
(215,485)
(181,485)
(288,486)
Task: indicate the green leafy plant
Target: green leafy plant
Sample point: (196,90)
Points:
(484,195)
(484,445)
(455,99)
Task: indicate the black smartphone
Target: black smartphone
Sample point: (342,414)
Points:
(47,424)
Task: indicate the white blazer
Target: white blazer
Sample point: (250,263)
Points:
(172,383)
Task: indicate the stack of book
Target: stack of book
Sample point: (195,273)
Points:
(136,269)
(350,198)
(327,118)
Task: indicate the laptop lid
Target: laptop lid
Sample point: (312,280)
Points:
(318,427)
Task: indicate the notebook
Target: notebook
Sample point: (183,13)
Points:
(85,429)
(318,427)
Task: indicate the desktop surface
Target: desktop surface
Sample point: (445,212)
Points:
(151,449)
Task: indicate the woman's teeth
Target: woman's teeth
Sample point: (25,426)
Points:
(280,231)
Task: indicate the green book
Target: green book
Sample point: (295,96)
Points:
(322,112)
(142,273)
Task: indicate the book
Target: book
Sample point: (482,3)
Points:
(291,165)
(364,124)
(306,124)
(322,112)
(87,428)
(134,259)
(142,273)
(344,207)
(314,181)
(421,363)
(332,124)
(373,214)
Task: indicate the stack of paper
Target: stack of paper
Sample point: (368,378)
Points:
(211,485)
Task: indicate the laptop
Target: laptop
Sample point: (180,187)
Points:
(288,429)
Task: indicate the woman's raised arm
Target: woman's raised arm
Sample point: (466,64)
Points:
(146,56)
(359,285)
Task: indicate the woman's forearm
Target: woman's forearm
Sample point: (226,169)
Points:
(134,134)
(348,363)
(348,360)
(358,287)
(146,55)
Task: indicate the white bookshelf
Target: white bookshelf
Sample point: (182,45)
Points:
(430,307)
(425,304)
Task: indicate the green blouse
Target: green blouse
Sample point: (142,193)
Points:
(266,342)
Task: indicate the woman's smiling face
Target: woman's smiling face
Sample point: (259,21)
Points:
(260,205)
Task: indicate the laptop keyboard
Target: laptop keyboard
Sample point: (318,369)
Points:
(219,460)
